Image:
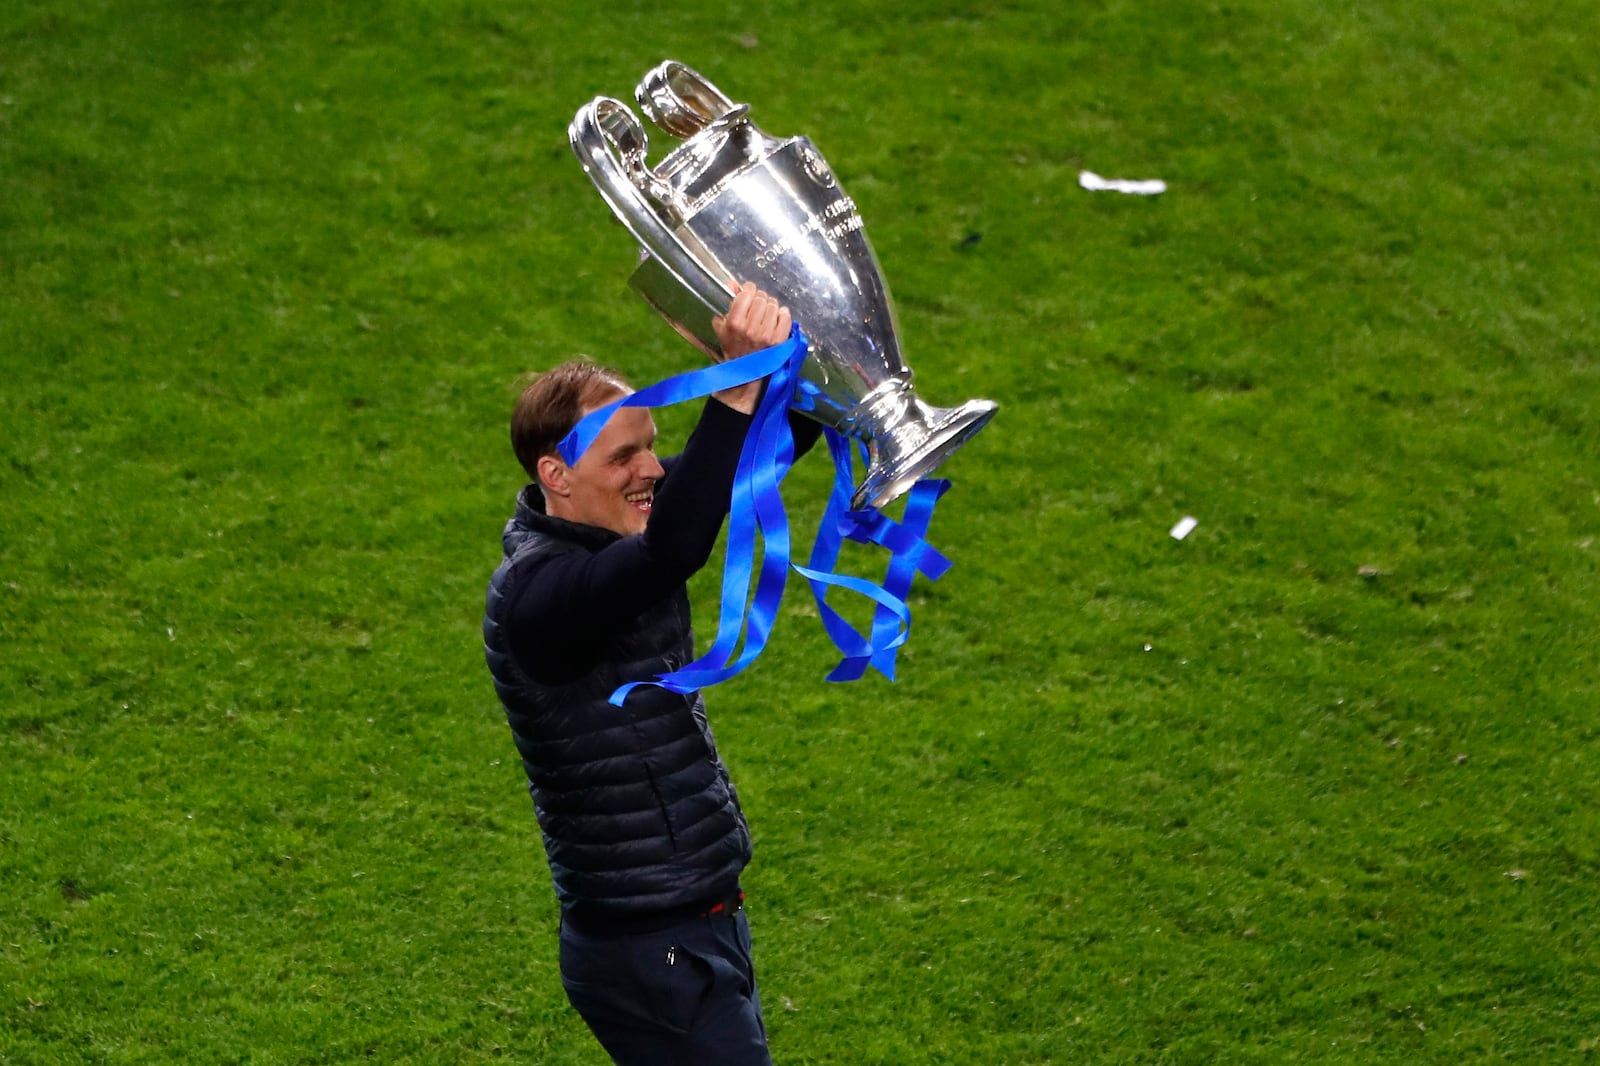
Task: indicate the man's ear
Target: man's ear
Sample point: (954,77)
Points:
(553,475)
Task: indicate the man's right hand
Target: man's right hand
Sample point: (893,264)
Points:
(753,322)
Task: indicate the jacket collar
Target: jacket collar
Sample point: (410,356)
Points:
(531,515)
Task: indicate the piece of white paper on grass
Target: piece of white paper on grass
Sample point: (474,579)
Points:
(1095,183)
(1184,527)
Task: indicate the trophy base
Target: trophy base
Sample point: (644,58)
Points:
(902,459)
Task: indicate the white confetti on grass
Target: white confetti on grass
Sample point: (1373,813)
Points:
(1184,527)
(1088,179)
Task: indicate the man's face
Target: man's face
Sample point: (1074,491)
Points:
(614,482)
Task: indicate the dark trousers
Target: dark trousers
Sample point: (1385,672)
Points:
(683,996)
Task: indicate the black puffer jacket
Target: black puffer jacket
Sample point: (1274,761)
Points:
(637,810)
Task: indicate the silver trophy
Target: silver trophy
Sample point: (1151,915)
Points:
(732,204)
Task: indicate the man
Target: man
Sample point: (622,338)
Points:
(641,824)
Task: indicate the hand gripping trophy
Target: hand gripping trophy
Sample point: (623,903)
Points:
(732,204)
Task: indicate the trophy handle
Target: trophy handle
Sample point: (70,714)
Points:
(680,100)
(626,137)
(611,144)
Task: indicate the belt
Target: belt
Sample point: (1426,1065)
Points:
(591,921)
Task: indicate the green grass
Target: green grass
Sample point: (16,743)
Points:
(1316,784)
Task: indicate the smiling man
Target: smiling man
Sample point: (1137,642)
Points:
(641,824)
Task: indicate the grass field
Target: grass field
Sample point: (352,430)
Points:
(1318,784)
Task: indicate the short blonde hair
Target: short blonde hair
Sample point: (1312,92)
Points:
(553,402)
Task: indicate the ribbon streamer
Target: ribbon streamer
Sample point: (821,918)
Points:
(687,386)
(756,514)
(909,555)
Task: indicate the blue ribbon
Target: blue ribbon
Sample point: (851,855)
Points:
(909,555)
(756,513)
(687,386)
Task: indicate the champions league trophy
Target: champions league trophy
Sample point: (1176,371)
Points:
(732,204)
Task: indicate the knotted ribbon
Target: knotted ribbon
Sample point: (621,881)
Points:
(757,515)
